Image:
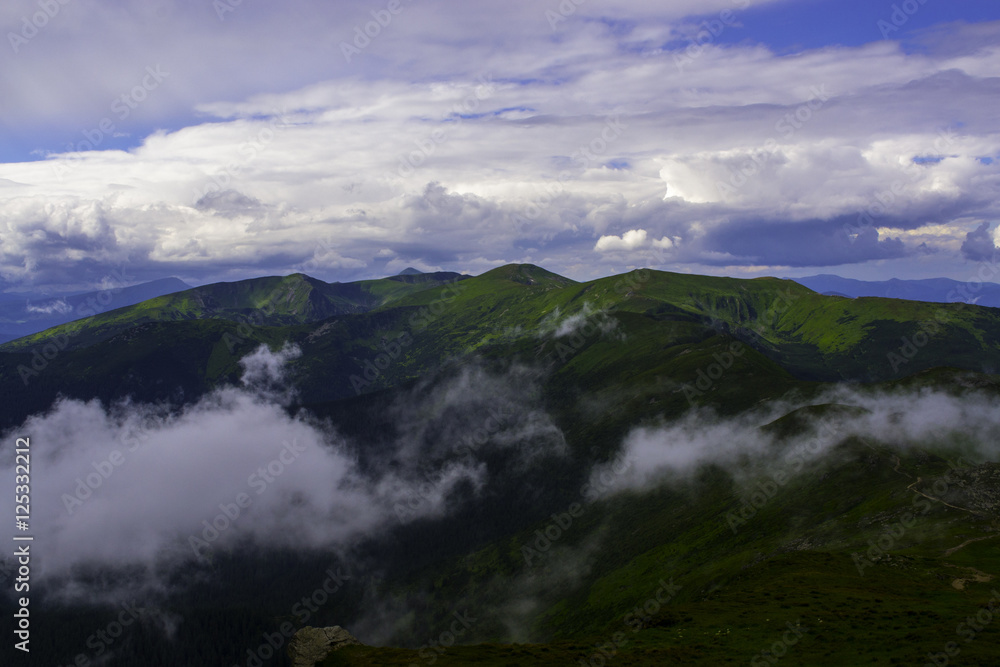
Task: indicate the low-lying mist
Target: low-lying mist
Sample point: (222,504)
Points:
(150,489)
(147,489)
(967,423)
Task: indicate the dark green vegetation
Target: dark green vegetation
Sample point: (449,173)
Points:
(26,313)
(599,358)
(804,561)
(294,299)
(787,336)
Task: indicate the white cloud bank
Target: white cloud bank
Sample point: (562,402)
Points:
(589,131)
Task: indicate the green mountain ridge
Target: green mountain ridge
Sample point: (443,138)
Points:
(271,301)
(786,335)
(536,559)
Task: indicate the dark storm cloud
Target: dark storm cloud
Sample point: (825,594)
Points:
(461,137)
(807,243)
(979,244)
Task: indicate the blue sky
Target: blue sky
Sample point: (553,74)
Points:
(792,26)
(218,141)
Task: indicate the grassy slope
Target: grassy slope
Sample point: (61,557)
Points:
(811,336)
(677,325)
(271,301)
(663,331)
(790,563)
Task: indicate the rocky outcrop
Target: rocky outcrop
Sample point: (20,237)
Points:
(975,489)
(311,645)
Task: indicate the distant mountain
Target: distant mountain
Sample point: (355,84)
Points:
(410,271)
(191,341)
(27,313)
(271,301)
(934,290)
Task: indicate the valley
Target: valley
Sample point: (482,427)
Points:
(650,468)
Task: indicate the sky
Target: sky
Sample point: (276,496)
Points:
(218,140)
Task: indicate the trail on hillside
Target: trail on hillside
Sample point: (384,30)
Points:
(958,583)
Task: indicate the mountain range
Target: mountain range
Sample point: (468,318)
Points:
(935,290)
(22,314)
(652,467)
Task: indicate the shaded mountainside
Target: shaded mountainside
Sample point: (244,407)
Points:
(272,301)
(373,335)
(871,552)
(695,574)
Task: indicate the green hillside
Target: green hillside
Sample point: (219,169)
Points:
(552,574)
(273,301)
(809,556)
(776,332)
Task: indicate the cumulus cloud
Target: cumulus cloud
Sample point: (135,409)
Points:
(630,240)
(842,240)
(980,244)
(633,240)
(327,166)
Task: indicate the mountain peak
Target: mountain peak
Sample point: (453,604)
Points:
(527,274)
(410,271)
